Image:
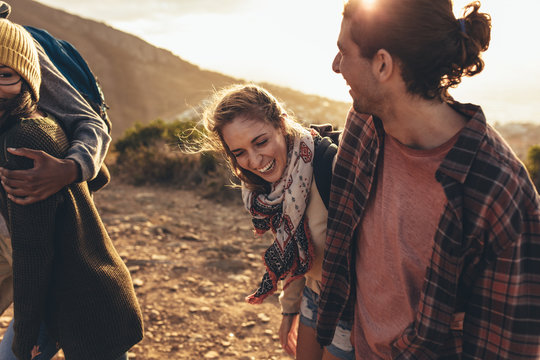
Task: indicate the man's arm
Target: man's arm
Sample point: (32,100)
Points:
(86,130)
(88,136)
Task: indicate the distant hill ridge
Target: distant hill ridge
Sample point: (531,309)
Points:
(143,82)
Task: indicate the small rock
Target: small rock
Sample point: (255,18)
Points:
(263,317)
(196,338)
(134,268)
(190,237)
(207,286)
(159,257)
(154,315)
(249,324)
(138,282)
(211,355)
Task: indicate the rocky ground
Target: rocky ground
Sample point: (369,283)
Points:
(192,261)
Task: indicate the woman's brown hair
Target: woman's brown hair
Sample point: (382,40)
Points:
(21,106)
(249,101)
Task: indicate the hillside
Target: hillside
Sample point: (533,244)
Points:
(142,82)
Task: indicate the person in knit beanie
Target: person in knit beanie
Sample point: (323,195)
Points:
(71,289)
(18,51)
(89,141)
(20,75)
(88,133)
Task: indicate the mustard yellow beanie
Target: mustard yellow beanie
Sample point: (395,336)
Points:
(18,51)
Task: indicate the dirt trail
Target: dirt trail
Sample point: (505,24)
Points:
(192,261)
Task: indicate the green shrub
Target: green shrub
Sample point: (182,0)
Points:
(157,131)
(533,164)
(150,154)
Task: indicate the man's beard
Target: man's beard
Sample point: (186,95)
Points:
(360,107)
(372,104)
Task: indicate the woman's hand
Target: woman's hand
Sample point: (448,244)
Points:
(288,333)
(46,178)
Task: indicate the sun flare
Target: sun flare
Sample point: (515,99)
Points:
(369,4)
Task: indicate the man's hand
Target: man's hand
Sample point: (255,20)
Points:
(288,333)
(46,178)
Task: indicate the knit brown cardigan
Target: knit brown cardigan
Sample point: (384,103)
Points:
(66,271)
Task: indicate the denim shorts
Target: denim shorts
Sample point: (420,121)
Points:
(341,346)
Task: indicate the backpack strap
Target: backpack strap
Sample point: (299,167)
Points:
(75,69)
(325,151)
(327,130)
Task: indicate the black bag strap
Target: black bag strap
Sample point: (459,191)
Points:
(325,151)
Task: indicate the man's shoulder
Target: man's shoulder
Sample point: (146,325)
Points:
(496,151)
(499,174)
(360,129)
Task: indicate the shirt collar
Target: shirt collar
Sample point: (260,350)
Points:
(460,158)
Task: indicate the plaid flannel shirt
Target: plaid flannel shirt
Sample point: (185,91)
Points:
(486,251)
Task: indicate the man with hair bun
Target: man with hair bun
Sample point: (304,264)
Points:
(433,240)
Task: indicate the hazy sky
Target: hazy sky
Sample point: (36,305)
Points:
(293,42)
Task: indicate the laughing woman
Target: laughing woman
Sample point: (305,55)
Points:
(71,289)
(274,156)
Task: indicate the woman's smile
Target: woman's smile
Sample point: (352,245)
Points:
(268,167)
(257,146)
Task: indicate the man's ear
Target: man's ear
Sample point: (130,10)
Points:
(382,65)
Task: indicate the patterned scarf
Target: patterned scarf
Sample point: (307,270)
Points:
(282,211)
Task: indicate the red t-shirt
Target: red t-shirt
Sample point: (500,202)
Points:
(395,244)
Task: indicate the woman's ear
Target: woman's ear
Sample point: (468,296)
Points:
(283,118)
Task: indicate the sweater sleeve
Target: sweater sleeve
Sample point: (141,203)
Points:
(291,297)
(87,132)
(33,249)
(32,233)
